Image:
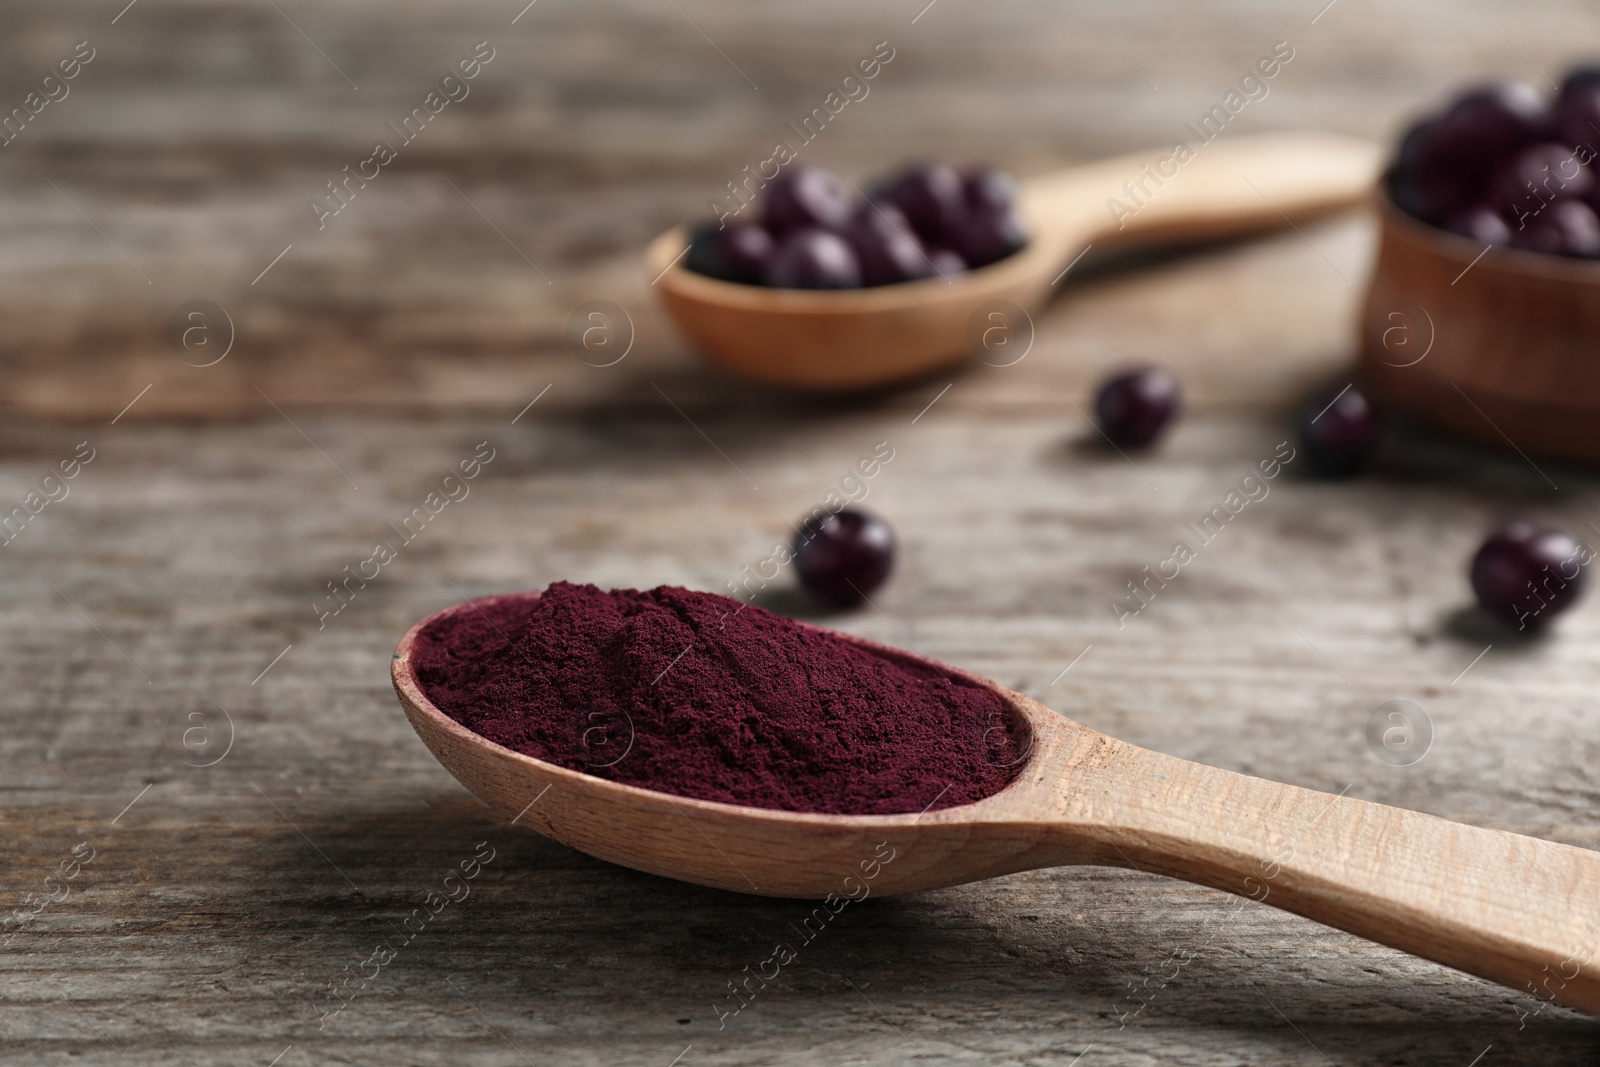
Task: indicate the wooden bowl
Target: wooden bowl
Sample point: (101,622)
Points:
(1500,345)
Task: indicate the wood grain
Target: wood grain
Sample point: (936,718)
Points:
(214,915)
(208,923)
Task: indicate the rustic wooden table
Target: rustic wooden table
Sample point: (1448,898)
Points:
(245,814)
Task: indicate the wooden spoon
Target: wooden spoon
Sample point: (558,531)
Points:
(1512,909)
(870,337)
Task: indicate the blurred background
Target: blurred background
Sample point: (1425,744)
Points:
(197,135)
(244,869)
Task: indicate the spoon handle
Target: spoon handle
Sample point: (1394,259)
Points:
(1230,186)
(1516,910)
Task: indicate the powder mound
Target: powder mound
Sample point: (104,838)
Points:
(702,696)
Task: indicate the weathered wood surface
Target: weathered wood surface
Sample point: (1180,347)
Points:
(207,925)
(197,135)
(191,550)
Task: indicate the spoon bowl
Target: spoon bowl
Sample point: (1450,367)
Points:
(1513,909)
(865,338)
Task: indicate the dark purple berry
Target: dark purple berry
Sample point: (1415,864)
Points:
(736,253)
(841,558)
(1481,223)
(1579,78)
(987,188)
(933,198)
(805,197)
(1536,175)
(1525,574)
(1134,408)
(1444,163)
(1564,228)
(1339,434)
(1490,120)
(1422,189)
(946,263)
(1578,116)
(886,246)
(1502,167)
(988,234)
(1578,111)
(813,259)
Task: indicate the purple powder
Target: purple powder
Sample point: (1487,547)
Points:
(702,696)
